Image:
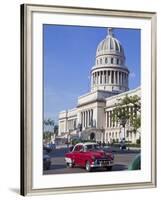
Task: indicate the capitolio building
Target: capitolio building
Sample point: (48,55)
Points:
(92,118)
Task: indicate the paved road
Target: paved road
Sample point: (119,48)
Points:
(58,166)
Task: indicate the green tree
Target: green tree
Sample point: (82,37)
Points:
(128,109)
(49,125)
(56,129)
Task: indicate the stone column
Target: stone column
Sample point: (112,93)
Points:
(111,119)
(116,72)
(81,117)
(101,77)
(114,77)
(110,76)
(124,79)
(106,76)
(89,117)
(121,78)
(118,78)
(86,119)
(92,116)
(96,78)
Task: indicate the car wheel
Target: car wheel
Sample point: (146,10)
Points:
(109,168)
(88,167)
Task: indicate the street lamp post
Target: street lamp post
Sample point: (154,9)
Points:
(79,130)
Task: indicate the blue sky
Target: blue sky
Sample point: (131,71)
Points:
(69,54)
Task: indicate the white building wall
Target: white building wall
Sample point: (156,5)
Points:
(101,115)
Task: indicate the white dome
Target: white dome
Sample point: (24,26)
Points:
(110,45)
(110,72)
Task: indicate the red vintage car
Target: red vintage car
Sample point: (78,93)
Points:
(89,155)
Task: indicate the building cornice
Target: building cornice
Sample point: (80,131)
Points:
(90,102)
(112,67)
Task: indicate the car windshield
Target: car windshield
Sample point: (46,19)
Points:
(90,147)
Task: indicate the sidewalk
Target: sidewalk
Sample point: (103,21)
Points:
(135,148)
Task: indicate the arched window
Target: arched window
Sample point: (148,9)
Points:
(106,60)
(101,61)
(111,60)
(117,61)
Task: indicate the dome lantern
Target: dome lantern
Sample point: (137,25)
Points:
(109,31)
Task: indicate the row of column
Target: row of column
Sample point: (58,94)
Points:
(117,136)
(110,122)
(87,118)
(110,77)
(109,60)
(112,135)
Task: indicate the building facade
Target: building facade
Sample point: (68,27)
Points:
(92,118)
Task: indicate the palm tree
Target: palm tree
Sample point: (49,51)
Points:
(49,125)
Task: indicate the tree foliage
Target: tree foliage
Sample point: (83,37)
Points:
(50,128)
(128,109)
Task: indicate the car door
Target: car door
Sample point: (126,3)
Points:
(82,156)
(76,154)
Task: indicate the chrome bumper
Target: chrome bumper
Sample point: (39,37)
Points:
(102,164)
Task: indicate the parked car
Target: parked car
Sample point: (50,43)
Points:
(90,156)
(46,148)
(49,147)
(46,161)
(52,146)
